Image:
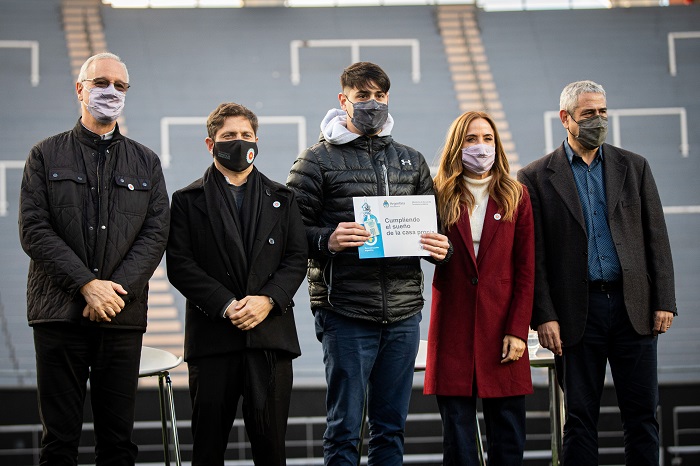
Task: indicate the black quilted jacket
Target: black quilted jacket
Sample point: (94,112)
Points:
(325,178)
(76,226)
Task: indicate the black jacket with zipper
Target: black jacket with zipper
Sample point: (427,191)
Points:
(325,178)
(91,210)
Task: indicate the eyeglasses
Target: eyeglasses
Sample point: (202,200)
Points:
(104,83)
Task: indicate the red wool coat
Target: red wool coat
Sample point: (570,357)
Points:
(476,302)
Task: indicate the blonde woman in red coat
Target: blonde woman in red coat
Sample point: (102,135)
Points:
(482,298)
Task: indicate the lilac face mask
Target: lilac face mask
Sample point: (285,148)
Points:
(106,104)
(478,158)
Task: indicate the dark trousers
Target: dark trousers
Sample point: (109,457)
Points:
(609,337)
(216,385)
(67,355)
(505,430)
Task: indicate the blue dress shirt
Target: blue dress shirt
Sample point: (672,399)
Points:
(603,263)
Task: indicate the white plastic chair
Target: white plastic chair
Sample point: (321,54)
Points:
(158,362)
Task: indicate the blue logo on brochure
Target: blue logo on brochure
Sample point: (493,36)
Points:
(374,246)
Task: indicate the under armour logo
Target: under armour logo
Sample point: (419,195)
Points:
(405,162)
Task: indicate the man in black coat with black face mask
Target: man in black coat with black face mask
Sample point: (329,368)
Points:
(237,252)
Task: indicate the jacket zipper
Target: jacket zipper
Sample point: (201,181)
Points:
(99,210)
(385,177)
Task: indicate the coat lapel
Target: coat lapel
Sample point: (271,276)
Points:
(562,179)
(465,232)
(489,229)
(269,216)
(615,173)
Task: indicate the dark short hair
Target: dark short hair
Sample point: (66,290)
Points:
(229,109)
(362,75)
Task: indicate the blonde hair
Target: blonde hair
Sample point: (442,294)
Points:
(452,192)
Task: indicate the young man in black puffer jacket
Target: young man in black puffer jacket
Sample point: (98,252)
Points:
(367,311)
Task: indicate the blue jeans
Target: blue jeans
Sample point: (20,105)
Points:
(609,336)
(366,359)
(505,430)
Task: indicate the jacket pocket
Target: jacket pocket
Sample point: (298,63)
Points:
(66,187)
(132,194)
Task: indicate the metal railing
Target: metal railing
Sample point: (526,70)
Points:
(672,36)
(354,45)
(4,166)
(692,413)
(488,5)
(33,46)
(166,122)
(615,114)
(310,440)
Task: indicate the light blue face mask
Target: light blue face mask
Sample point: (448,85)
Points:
(106,103)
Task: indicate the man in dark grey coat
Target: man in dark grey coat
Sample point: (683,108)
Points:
(94,220)
(604,287)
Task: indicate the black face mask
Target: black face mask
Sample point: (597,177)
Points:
(592,131)
(236,155)
(369,116)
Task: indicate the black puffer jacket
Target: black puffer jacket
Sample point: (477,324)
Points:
(77,226)
(325,178)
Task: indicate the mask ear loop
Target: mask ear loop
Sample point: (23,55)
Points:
(567,128)
(346,106)
(599,116)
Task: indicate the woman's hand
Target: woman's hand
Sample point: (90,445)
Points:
(513,348)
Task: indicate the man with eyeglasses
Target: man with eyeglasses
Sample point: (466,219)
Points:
(604,287)
(367,311)
(94,220)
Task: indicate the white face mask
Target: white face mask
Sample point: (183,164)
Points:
(106,103)
(478,158)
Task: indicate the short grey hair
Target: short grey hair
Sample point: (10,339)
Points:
(569,96)
(82,76)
